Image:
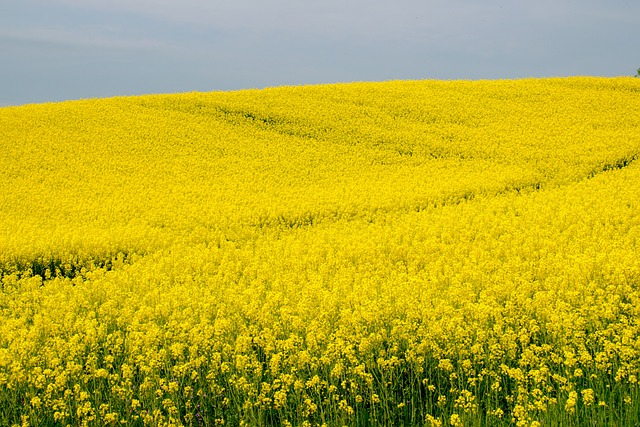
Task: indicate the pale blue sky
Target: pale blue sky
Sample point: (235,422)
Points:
(53,50)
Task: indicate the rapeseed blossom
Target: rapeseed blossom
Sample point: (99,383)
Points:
(399,253)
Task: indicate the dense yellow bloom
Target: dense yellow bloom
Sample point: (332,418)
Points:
(427,252)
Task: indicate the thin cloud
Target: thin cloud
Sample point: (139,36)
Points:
(331,19)
(80,37)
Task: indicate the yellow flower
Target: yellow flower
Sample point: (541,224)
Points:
(570,405)
(455,421)
(36,402)
(588,397)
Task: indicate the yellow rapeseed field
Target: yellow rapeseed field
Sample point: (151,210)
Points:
(407,253)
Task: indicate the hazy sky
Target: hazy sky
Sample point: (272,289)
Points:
(53,50)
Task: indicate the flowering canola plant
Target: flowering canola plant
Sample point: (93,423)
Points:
(401,253)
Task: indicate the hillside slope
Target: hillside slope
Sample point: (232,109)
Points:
(398,253)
